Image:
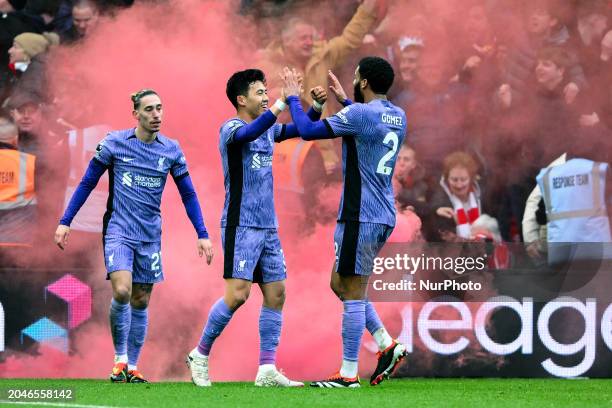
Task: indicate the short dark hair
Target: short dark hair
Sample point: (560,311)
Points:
(137,96)
(50,7)
(560,57)
(378,72)
(239,83)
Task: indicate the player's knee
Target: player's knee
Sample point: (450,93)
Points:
(238,298)
(140,301)
(275,300)
(122,293)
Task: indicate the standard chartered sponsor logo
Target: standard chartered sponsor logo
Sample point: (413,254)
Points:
(142,181)
(256,164)
(126,179)
(149,182)
(261,160)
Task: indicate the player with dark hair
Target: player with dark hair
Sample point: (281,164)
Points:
(252,250)
(372,131)
(138,160)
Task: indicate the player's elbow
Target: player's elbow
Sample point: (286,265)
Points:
(88,184)
(309,133)
(188,196)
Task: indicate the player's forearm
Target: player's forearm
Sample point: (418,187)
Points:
(314,114)
(85,187)
(192,205)
(307,129)
(290,130)
(256,128)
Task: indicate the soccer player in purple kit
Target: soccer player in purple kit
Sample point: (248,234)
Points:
(252,250)
(138,160)
(372,131)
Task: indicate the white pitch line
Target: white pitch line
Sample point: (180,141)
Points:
(53,404)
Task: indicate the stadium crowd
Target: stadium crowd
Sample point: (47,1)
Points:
(494,92)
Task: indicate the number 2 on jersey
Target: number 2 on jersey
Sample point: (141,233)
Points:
(392,140)
(156,257)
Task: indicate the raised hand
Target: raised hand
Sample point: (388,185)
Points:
(319,94)
(291,82)
(504,93)
(336,88)
(570,92)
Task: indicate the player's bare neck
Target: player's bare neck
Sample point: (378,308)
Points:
(244,115)
(144,136)
(369,97)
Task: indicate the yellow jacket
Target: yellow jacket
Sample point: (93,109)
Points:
(16,179)
(326,55)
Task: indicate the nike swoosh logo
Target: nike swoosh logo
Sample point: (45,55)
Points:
(126,159)
(157,274)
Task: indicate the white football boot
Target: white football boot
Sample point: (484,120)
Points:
(269,376)
(198,364)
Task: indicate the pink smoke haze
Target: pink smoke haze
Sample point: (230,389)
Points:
(186,52)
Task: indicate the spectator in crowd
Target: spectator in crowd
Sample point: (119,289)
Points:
(486,229)
(544,29)
(409,50)
(26,111)
(434,109)
(18,216)
(12,23)
(8,6)
(597,112)
(409,183)
(606,47)
(28,57)
(531,133)
(49,15)
(477,65)
(605,98)
(85,16)
(38,137)
(410,193)
(593,22)
(477,39)
(456,205)
(407,225)
(543,116)
(300,48)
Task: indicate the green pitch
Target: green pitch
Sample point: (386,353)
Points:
(414,393)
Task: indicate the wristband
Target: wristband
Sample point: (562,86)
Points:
(280,105)
(317,106)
